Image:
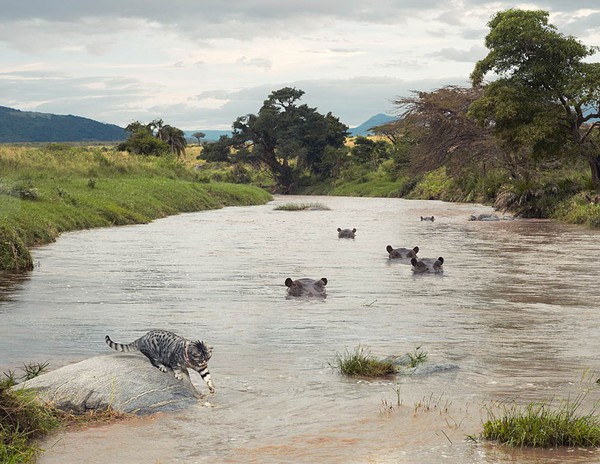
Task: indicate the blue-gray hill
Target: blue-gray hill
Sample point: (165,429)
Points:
(377,120)
(363,129)
(27,126)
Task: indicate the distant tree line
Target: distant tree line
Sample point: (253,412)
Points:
(541,110)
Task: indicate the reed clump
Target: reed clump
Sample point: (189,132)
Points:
(302,207)
(543,425)
(360,363)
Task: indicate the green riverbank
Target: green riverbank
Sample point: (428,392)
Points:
(49,190)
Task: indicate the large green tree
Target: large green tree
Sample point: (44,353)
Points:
(545,97)
(287,137)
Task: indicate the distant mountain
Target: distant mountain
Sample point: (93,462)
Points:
(363,129)
(29,126)
(377,120)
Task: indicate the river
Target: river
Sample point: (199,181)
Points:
(516,311)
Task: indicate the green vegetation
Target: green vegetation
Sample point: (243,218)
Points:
(361,363)
(57,188)
(154,139)
(541,425)
(547,97)
(527,142)
(287,138)
(418,356)
(22,418)
(302,207)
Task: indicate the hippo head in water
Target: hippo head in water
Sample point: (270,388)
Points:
(420,266)
(346,233)
(306,287)
(427,218)
(402,253)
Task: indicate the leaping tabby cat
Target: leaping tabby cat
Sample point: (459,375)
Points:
(167,350)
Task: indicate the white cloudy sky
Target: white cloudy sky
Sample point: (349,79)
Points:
(199,64)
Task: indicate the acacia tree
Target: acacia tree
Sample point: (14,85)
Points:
(198,136)
(287,138)
(546,97)
(443,134)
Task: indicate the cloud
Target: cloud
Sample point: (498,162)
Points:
(471,55)
(201,64)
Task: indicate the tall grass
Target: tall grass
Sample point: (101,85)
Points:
(294,206)
(22,419)
(360,362)
(543,425)
(49,190)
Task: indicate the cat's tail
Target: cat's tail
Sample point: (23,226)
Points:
(124,348)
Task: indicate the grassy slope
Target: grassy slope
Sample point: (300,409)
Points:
(47,191)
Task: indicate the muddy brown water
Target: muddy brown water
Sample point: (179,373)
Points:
(516,311)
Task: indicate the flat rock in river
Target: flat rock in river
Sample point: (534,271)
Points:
(124,382)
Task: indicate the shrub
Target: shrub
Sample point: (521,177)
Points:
(583,208)
(534,199)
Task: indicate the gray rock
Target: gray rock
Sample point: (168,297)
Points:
(125,382)
(490,217)
(402,362)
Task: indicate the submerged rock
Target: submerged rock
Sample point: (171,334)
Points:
(403,363)
(126,383)
(490,217)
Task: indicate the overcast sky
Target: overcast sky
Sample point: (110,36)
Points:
(199,64)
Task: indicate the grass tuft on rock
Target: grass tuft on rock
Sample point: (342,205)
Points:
(360,363)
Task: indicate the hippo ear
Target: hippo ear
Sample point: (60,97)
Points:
(416,249)
(324,280)
(414,261)
(432,218)
(339,230)
(441,260)
(354,230)
(421,218)
(389,248)
(288,282)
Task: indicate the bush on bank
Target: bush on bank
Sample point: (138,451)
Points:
(49,190)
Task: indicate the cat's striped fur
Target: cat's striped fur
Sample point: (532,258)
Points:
(167,350)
